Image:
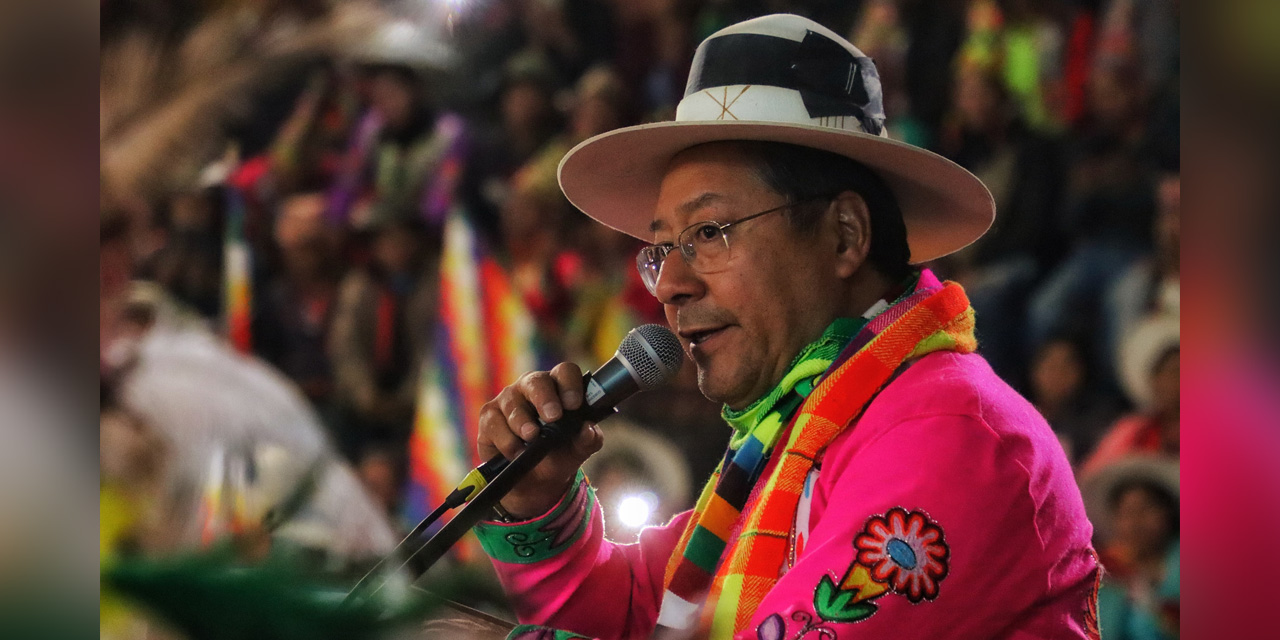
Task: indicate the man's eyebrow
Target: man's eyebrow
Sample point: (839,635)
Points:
(688,208)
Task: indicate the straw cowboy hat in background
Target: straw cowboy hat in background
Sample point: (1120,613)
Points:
(1097,488)
(1142,351)
(779,78)
(659,461)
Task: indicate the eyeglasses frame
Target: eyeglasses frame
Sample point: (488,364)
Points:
(724,236)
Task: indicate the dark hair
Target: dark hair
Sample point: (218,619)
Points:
(1158,492)
(803,174)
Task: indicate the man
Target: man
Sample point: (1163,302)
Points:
(880,481)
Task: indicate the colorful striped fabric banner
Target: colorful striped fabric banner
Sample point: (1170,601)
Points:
(485,339)
(237,268)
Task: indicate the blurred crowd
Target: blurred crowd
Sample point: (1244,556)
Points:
(315,242)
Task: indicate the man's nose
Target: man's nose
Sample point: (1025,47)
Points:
(677,282)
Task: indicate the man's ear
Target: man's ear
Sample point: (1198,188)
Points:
(853,232)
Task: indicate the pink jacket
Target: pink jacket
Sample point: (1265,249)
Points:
(949,507)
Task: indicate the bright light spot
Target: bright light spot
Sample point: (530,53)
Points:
(401,31)
(634,511)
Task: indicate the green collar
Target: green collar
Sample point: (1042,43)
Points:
(812,361)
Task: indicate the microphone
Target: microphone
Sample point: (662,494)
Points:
(649,356)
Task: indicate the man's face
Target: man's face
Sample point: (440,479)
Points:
(1057,374)
(743,324)
(392,97)
(1142,522)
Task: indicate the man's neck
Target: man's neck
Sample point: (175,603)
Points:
(865,291)
(869,287)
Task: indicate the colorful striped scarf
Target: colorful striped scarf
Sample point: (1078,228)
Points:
(724,564)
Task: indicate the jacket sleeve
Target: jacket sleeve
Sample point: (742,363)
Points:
(561,572)
(929,530)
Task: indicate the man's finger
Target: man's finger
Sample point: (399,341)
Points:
(568,377)
(498,435)
(519,415)
(589,441)
(541,390)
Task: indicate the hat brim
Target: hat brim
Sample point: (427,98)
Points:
(1141,350)
(615,177)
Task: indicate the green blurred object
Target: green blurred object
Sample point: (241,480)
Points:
(212,596)
(47,612)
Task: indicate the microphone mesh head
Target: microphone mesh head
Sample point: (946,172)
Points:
(653,352)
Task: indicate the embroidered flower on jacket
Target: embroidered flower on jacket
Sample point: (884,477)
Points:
(905,550)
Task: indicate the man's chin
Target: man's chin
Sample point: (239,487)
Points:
(716,389)
(707,385)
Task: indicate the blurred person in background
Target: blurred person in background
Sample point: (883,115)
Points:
(1134,504)
(550,31)
(308,146)
(652,50)
(592,268)
(381,471)
(295,310)
(600,102)
(1109,210)
(609,296)
(1061,389)
(534,228)
(1153,285)
(396,150)
(542,241)
(986,134)
(641,30)
(48,585)
(1149,362)
(381,330)
(1032,51)
(188,262)
(935,31)
(526,121)
(527,105)
(1148,30)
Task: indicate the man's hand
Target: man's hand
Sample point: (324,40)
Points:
(510,420)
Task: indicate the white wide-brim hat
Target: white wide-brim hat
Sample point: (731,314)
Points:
(1098,486)
(1142,350)
(779,78)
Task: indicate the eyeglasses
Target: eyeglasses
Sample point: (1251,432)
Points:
(704,245)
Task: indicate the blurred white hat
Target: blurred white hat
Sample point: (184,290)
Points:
(1097,488)
(1142,350)
(403,42)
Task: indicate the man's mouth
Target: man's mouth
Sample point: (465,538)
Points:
(697,337)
